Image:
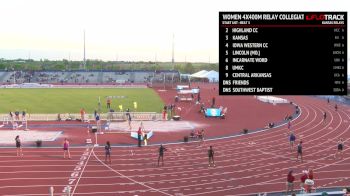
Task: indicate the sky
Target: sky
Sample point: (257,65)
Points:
(128,30)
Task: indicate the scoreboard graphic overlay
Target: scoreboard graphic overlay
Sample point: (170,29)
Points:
(283,53)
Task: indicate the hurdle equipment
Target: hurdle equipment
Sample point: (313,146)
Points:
(135,136)
(86,118)
(5,121)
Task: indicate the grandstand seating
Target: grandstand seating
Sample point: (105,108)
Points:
(86,77)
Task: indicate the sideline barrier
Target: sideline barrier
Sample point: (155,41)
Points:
(271,99)
(134,116)
(88,117)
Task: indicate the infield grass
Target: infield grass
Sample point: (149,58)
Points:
(71,100)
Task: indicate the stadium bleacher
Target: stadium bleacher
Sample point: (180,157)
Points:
(87,77)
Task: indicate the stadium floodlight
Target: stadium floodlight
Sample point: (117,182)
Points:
(84,63)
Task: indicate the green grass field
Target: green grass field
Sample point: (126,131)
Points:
(59,100)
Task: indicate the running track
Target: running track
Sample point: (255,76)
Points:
(245,165)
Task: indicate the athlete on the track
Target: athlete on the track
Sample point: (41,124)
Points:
(66,148)
(324,116)
(291,140)
(300,151)
(161,154)
(18,146)
(289,124)
(340,146)
(211,156)
(108,152)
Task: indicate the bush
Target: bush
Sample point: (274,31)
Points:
(245,131)
(38,143)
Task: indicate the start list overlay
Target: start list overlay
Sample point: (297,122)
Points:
(283,53)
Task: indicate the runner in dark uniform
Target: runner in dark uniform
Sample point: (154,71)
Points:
(324,116)
(161,154)
(300,151)
(340,147)
(211,156)
(18,146)
(108,152)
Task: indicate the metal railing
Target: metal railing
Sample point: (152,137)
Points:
(103,116)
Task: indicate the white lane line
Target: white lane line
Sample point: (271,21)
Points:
(82,171)
(140,183)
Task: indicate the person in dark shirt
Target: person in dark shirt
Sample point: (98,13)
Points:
(18,146)
(213,102)
(108,103)
(23,114)
(300,151)
(108,152)
(17,114)
(211,156)
(161,154)
(340,147)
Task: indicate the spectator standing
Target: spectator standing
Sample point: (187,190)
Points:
(11,116)
(17,115)
(290,182)
(23,114)
(139,135)
(108,103)
(311,174)
(82,114)
(303,178)
(164,112)
(145,138)
(98,122)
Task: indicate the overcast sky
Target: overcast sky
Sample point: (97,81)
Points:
(129,30)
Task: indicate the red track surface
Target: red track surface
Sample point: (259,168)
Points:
(244,165)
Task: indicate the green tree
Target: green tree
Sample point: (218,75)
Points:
(189,68)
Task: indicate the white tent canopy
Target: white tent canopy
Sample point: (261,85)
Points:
(199,74)
(213,76)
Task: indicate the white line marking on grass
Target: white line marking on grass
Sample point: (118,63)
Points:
(137,182)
